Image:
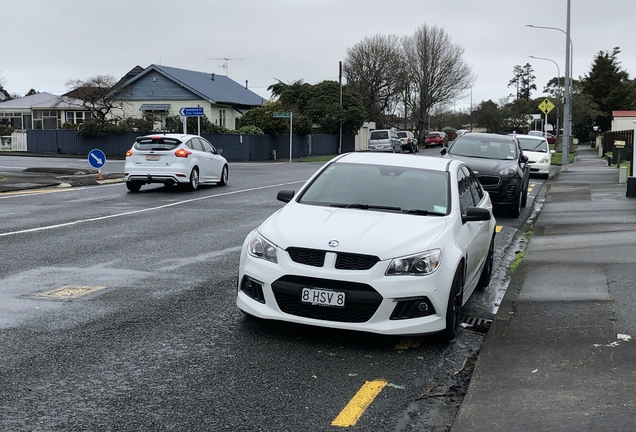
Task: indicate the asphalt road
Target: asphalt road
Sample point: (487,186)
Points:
(160,345)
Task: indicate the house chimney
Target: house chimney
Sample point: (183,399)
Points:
(245,83)
(212,76)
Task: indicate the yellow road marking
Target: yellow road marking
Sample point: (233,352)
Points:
(70,291)
(359,403)
(407,343)
(498,228)
(34,191)
(529,189)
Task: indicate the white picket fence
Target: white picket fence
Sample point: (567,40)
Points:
(17,141)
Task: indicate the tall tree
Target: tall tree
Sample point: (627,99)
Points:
(97,94)
(436,71)
(373,69)
(489,116)
(609,87)
(523,80)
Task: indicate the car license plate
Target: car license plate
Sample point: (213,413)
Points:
(320,297)
(153,157)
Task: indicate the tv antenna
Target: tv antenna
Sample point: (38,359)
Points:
(226,60)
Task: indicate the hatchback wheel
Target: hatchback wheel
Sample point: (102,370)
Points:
(194,179)
(224,176)
(133,186)
(454,307)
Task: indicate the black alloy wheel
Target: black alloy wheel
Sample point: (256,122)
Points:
(455,305)
(486,273)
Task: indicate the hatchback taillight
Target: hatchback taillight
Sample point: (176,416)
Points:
(129,152)
(182,153)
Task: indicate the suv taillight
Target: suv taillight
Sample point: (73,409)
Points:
(182,153)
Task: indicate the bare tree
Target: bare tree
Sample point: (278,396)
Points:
(436,70)
(99,94)
(374,70)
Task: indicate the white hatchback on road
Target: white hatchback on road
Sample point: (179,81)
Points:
(538,152)
(383,243)
(187,160)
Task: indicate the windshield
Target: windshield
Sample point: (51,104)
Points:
(533,145)
(487,148)
(380,188)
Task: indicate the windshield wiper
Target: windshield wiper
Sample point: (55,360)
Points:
(366,206)
(421,212)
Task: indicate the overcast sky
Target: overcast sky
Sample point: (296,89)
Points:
(49,42)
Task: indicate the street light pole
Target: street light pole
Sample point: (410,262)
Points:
(567,114)
(558,86)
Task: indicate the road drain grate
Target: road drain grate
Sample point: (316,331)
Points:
(477,324)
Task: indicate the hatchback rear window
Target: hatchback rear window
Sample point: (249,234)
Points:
(378,135)
(156,143)
(401,134)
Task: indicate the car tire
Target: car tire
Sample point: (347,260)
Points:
(515,210)
(193,184)
(455,305)
(524,198)
(486,272)
(224,176)
(133,186)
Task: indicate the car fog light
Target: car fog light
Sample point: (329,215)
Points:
(422,307)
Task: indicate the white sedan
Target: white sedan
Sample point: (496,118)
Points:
(180,159)
(383,243)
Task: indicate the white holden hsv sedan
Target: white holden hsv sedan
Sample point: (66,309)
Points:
(174,159)
(374,242)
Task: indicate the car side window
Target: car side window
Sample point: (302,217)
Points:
(196,144)
(207,146)
(475,187)
(463,187)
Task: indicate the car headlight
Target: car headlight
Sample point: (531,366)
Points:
(508,171)
(259,247)
(420,264)
(545,159)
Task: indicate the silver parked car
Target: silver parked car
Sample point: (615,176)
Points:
(385,140)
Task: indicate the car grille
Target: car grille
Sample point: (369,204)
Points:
(361,300)
(489,180)
(344,261)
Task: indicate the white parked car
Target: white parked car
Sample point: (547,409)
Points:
(538,151)
(385,140)
(187,160)
(382,243)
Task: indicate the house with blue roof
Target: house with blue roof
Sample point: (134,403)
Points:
(163,91)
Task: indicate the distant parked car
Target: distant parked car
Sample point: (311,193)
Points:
(538,152)
(550,138)
(385,140)
(174,159)
(408,140)
(436,139)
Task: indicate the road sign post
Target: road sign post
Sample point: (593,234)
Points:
(97,159)
(546,106)
(186,112)
(289,115)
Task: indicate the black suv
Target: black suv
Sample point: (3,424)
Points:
(499,164)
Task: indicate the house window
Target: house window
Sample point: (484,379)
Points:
(222,117)
(11,119)
(47,119)
(77,117)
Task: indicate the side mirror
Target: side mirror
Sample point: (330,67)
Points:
(476,214)
(219,151)
(442,151)
(285,195)
(523,158)
(552,151)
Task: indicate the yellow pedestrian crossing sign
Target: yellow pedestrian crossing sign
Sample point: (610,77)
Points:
(546,106)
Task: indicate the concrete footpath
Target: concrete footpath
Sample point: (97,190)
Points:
(561,353)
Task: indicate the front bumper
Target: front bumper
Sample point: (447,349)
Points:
(503,190)
(373,302)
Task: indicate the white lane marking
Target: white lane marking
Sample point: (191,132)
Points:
(79,221)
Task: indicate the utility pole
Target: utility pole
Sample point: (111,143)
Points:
(340,81)
(567,104)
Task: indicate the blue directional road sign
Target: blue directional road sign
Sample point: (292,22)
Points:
(96,158)
(191,112)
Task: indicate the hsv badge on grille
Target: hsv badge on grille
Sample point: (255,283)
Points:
(333,243)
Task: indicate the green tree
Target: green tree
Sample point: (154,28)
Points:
(489,116)
(609,87)
(516,113)
(523,81)
(263,118)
